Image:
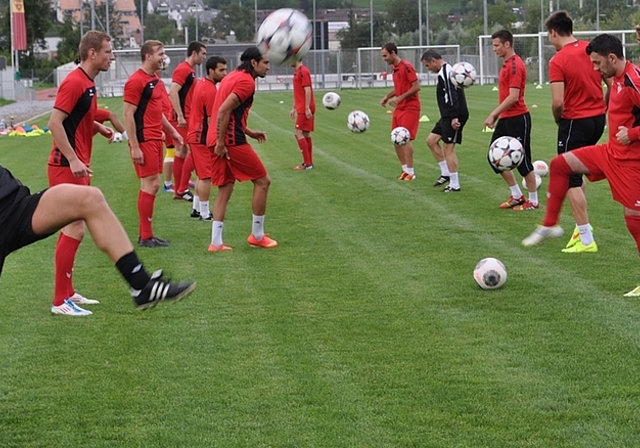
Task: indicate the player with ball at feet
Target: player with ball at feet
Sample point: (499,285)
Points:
(303,110)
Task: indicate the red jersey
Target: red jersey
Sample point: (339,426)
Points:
(243,85)
(583,97)
(513,75)
(167,108)
(624,110)
(101,115)
(146,92)
(185,75)
(403,76)
(204,93)
(77,97)
(302,79)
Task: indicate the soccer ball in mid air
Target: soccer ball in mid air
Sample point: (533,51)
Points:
(506,153)
(285,36)
(463,74)
(541,168)
(490,273)
(331,100)
(358,121)
(400,136)
(166,63)
(538,182)
(117,137)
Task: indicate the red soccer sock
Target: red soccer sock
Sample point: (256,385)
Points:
(310,147)
(559,172)
(304,150)
(633,224)
(65,257)
(145,214)
(178,163)
(185,177)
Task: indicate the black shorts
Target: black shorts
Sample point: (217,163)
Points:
(574,134)
(447,133)
(518,127)
(16,213)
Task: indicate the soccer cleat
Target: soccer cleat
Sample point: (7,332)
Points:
(265,242)
(512,202)
(154,241)
(81,300)
(402,176)
(635,292)
(68,308)
(192,184)
(528,205)
(160,290)
(408,177)
(575,237)
(450,189)
(541,233)
(213,248)
(186,196)
(195,213)
(167,189)
(579,248)
(441,181)
(206,218)
(303,167)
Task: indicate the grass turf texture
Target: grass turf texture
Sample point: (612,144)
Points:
(363,328)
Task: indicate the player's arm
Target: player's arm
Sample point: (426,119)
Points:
(115,121)
(224,112)
(61,140)
(506,104)
(307,101)
(105,131)
(557,100)
(627,135)
(387,97)
(128,113)
(174,91)
(415,88)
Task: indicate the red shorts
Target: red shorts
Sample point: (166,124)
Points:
(153,159)
(202,159)
(168,141)
(303,123)
(62,175)
(183,132)
(623,177)
(409,119)
(243,164)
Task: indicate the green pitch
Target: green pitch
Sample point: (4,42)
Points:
(364,328)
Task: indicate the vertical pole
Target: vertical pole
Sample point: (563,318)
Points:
(486,17)
(255,16)
(141,21)
(427,18)
(419,23)
(106,5)
(93,14)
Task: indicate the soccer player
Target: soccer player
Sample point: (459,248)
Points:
(72,124)
(406,100)
(103,115)
(515,120)
(617,160)
(181,95)
(234,159)
(204,94)
(145,122)
(303,110)
(26,218)
(578,107)
(169,144)
(454,113)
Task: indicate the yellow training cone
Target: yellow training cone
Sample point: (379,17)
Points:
(423,119)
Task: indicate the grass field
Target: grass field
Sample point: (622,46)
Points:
(364,328)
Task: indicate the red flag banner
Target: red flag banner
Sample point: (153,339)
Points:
(19,28)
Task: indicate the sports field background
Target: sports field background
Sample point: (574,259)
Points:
(364,328)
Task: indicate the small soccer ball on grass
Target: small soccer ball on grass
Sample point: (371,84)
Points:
(463,75)
(117,138)
(358,122)
(538,182)
(285,36)
(506,153)
(331,100)
(541,168)
(400,136)
(490,273)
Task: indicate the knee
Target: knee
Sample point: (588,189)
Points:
(559,166)
(263,182)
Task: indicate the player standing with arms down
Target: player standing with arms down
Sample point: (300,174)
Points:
(303,111)
(578,106)
(454,113)
(144,121)
(73,125)
(234,159)
(404,97)
(204,94)
(617,160)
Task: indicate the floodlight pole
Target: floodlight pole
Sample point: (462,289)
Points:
(371,23)
(486,18)
(419,22)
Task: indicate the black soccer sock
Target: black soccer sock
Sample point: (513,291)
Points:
(133,271)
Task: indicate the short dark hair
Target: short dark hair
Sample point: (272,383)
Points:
(429,55)
(560,22)
(390,47)
(248,55)
(504,36)
(194,47)
(604,45)
(213,61)
(148,47)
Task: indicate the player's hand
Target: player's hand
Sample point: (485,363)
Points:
(393,102)
(623,135)
(383,102)
(489,122)
(136,155)
(182,123)
(106,132)
(257,135)
(309,114)
(177,137)
(221,151)
(292,114)
(79,169)
(455,124)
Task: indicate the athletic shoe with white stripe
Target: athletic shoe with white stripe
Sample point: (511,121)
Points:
(79,299)
(159,290)
(68,308)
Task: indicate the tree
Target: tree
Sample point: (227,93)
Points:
(204,28)
(159,27)
(236,18)
(68,46)
(38,17)
(358,34)
(403,15)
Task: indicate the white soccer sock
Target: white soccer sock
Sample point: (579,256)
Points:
(404,168)
(444,169)
(257,229)
(409,171)
(516,193)
(585,234)
(453,180)
(196,203)
(168,183)
(533,197)
(204,209)
(216,233)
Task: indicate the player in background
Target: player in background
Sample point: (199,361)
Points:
(454,113)
(181,95)
(617,160)
(145,123)
(103,115)
(514,120)
(72,124)
(405,99)
(234,158)
(303,111)
(27,218)
(170,147)
(578,107)
(204,94)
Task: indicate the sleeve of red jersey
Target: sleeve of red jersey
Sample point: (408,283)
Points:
(244,88)
(101,115)
(412,76)
(180,74)
(67,96)
(210,99)
(634,94)
(132,91)
(519,77)
(555,72)
(306,78)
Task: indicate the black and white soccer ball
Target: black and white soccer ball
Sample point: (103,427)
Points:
(400,136)
(285,36)
(490,273)
(331,100)
(506,153)
(358,122)
(463,75)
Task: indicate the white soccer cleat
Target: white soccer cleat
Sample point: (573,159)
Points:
(82,300)
(69,308)
(635,292)
(541,233)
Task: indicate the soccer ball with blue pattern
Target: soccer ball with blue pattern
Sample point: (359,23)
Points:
(358,122)
(506,153)
(400,136)
(490,273)
(285,36)
(331,100)
(463,75)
